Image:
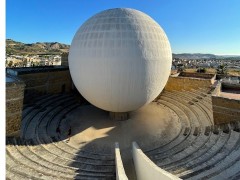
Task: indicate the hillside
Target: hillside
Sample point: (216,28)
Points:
(205,56)
(194,56)
(19,48)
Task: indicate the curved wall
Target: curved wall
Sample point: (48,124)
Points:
(146,169)
(120,172)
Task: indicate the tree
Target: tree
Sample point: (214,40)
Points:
(180,67)
(222,69)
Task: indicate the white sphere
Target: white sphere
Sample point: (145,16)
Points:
(120,59)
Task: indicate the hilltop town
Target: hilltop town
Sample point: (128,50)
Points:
(19,54)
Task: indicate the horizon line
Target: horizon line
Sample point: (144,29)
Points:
(221,54)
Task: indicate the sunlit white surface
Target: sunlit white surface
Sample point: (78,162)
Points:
(120,59)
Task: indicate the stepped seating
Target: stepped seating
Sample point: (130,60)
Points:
(37,109)
(204,151)
(201,150)
(38,162)
(197,105)
(205,102)
(190,133)
(41,154)
(185,124)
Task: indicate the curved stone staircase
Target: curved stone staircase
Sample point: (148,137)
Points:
(200,151)
(41,153)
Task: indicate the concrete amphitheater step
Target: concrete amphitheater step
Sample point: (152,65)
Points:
(51,128)
(40,108)
(38,99)
(192,115)
(205,106)
(230,172)
(185,129)
(177,163)
(205,98)
(13,175)
(199,109)
(109,160)
(35,167)
(163,97)
(199,170)
(184,153)
(27,160)
(54,113)
(26,151)
(37,104)
(211,151)
(204,103)
(235,176)
(165,157)
(16,170)
(207,91)
(15,165)
(225,165)
(79,154)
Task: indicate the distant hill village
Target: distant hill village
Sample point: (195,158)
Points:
(36,54)
(54,54)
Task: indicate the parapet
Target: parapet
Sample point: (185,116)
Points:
(42,80)
(38,69)
(226,103)
(120,172)
(185,81)
(146,169)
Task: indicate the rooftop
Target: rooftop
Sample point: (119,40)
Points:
(37,69)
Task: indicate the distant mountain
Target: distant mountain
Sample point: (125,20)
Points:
(19,48)
(205,56)
(194,56)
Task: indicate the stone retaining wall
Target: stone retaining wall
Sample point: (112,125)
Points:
(14,105)
(197,75)
(186,83)
(225,109)
(46,83)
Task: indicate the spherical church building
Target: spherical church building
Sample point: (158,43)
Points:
(120,59)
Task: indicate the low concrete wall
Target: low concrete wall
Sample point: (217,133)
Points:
(217,90)
(120,172)
(146,169)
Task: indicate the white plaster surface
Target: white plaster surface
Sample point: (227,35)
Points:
(146,169)
(120,172)
(120,59)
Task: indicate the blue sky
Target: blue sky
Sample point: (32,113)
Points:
(192,26)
